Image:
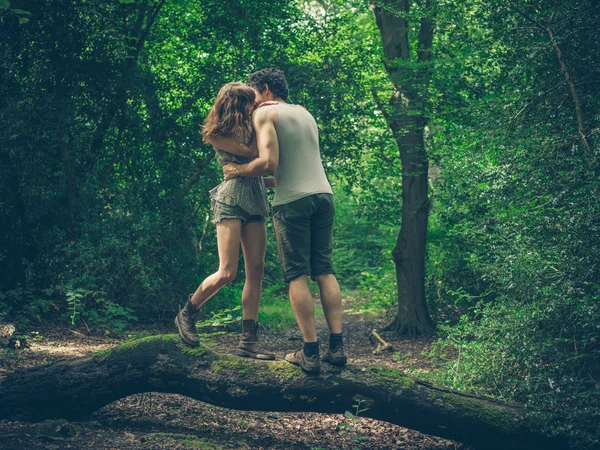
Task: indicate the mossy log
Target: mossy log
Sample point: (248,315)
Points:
(74,388)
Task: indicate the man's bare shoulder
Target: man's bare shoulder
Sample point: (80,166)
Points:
(265,114)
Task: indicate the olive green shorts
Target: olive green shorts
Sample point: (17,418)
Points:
(222,211)
(304,235)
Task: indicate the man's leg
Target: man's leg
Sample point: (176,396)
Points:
(321,254)
(292,231)
(307,357)
(331,299)
(304,307)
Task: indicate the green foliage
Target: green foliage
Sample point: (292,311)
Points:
(543,354)
(513,242)
(362,244)
(91,307)
(357,410)
(275,311)
(103,174)
(223,319)
(23,305)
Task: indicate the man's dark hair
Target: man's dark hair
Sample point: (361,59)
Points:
(273,78)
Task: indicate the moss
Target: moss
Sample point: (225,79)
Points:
(199,352)
(380,375)
(102,353)
(242,367)
(186,440)
(490,414)
(155,340)
(256,370)
(284,370)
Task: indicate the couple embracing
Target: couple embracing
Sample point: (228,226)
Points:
(254,133)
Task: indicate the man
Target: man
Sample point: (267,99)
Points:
(303,211)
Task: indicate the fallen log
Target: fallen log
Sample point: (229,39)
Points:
(71,389)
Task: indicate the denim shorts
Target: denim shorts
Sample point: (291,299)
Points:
(304,234)
(222,211)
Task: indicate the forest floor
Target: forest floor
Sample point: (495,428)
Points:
(169,421)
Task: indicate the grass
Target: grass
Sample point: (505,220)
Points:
(276,313)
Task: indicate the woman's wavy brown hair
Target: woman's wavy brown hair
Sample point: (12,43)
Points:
(230,115)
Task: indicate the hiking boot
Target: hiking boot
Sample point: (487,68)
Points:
(310,364)
(186,324)
(249,346)
(336,357)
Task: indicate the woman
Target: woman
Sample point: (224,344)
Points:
(239,208)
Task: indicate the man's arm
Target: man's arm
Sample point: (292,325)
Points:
(265,121)
(231,145)
(269,182)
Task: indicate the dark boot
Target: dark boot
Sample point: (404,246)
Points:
(249,346)
(336,357)
(186,324)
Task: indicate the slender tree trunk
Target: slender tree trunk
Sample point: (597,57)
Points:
(409,253)
(407,121)
(584,135)
(16,230)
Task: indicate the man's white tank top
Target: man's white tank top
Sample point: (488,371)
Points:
(300,172)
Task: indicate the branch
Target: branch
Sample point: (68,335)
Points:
(381,106)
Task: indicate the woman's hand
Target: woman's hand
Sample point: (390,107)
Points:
(230,171)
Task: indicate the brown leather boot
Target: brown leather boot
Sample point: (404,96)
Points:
(249,346)
(186,324)
(310,364)
(336,357)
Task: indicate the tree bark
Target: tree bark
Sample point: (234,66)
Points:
(71,389)
(407,121)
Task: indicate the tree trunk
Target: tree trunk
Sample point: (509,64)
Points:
(409,253)
(73,388)
(407,119)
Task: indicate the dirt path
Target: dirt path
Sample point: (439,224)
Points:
(167,421)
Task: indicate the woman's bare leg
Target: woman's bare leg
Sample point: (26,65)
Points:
(254,245)
(229,233)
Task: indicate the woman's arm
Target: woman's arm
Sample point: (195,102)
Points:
(231,145)
(265,123)
(269,182)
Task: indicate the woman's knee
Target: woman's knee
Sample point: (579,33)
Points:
(227,275)
(255,270)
